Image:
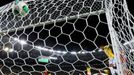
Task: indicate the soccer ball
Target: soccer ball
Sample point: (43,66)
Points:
(20,9)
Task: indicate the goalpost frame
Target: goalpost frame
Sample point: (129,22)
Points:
(116,44)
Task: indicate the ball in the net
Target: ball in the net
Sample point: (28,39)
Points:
(20,9)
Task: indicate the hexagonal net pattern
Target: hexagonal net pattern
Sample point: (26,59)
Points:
(121,30)
(62,37)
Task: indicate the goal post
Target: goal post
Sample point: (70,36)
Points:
(121,31)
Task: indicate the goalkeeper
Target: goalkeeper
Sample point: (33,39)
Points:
(108,51)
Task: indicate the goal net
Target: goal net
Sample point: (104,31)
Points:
(64,37)
(120,23)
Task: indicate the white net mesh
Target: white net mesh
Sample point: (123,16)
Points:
(121,30)
(67,32)
(49,10)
